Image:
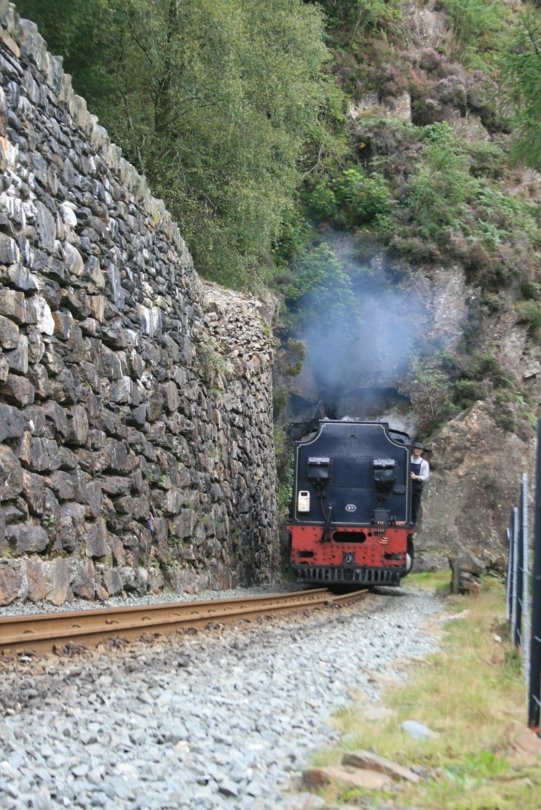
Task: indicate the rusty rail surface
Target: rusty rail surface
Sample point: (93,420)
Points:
(47,631)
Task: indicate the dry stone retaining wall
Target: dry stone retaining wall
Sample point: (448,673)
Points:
(136,444)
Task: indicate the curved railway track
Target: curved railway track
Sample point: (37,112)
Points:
(50,631)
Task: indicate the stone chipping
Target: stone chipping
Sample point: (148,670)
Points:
(212,720)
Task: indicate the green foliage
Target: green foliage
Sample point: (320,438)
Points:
(285,469)
(356,17)
(231,112)
(487,159)
(507,213)
(435,200)
(468,391)
(322,289)
(476,24)
(351,198)
(213,365)
(529,312)
(521,69)
(309,271)
(363,199)
(295,233)
(213,101)
(530,291)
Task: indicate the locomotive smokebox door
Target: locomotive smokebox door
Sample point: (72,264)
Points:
(319,472)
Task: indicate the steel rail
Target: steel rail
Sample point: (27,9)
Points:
(46,631)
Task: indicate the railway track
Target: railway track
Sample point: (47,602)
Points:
(50,631)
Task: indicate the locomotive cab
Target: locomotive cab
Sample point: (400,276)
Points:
(351,505)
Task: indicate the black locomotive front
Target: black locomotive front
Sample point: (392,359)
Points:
(351,505)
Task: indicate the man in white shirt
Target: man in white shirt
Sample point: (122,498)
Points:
(420,470)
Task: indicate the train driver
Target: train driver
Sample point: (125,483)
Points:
(420,471)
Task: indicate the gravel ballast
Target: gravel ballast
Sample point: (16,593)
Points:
(225,718)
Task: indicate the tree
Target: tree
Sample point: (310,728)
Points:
(521,67)
(213,100)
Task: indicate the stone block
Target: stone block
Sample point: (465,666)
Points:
(155,406)
(91,495)
(115,484)
(57,415)
(173,501)
(17,390)
(4,369)
(97,304)
(95,536)
(120,391)
(11,422)
(347,778)
(122,460)
(9,250)
(77,426)
(18,358)
(64,485)
(36,344)
(21,278)
(58,576)
(34,492)
(38,377)
(44,317)
(11,581)
(13,305)
(109,364)
(171,397)
(9,333)
(40,454)
(37,583)
(83,579)
(368,760)
(76,300)
(137,508)
(188,521)
(112,581)
(11,474)
(114,334)
(26,538)
(135,580)
(46,227)
(94,273)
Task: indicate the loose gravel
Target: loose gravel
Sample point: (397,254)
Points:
(225,718)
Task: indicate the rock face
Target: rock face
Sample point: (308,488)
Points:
(474,486)
(136,440)
(416,313)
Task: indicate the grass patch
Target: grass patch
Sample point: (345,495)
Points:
(438,581)
(472,693)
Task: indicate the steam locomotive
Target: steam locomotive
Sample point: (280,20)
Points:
(350,513)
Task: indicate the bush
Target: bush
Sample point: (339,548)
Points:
(351,198)
(530,291)
(435,200)
(466,392)
(476,24)
(529,313)
(362,199)
(487,160)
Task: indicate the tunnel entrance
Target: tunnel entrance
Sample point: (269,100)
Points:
(358,403)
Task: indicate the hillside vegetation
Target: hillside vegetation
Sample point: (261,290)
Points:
(236,113)
(250,120)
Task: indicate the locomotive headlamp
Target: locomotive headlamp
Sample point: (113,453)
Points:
(384,473)
(319,472)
